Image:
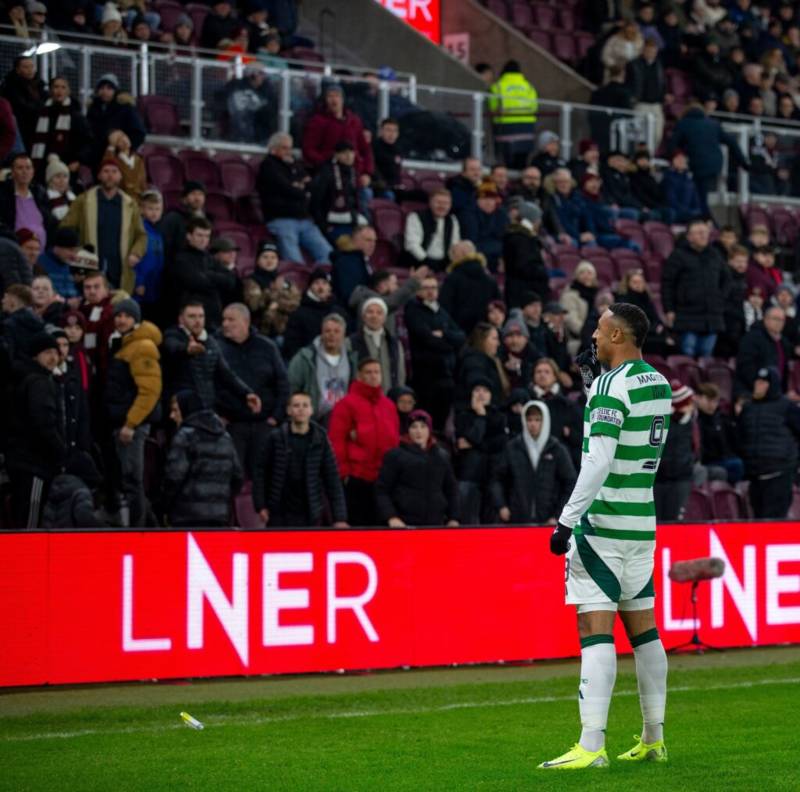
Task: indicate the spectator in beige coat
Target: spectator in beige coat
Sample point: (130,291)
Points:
(577,299)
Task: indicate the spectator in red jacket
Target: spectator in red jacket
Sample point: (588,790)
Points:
(364,426)
(331,124)
(762,272)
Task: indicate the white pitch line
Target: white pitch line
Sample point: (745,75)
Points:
(215,721)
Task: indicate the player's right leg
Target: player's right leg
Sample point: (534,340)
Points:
(651,676)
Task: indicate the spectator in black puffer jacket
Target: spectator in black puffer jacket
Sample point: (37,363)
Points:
(36,435)
(769,430)
(522,254)
(535,475)
(733,310)
(480,438)
(194,361)
(416,485)
(20,323)
(694,284)
(305,322)
(676,471)
(70,503)
(296,473)
(257,362)
(480,359)
(468,288)
(202,471)
(14,267)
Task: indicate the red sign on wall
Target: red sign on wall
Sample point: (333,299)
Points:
(422,15)
(92,607)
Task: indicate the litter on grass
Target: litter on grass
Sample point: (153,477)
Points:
(191,722)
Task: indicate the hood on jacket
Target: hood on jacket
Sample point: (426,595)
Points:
(535,447)
(145,330)
(473,265)
(770,373)
(205,421)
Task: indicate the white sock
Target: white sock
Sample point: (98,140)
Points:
(651,676)
(598,674)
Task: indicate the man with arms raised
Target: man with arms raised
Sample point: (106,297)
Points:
(608,529)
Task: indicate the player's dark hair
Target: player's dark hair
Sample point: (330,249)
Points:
(635,318)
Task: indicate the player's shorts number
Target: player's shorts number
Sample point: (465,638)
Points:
(657,431)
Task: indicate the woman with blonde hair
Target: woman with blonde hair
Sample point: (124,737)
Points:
(578,300)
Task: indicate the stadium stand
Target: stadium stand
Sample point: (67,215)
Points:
(325,189)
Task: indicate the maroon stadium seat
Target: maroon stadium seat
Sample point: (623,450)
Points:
(544,16)
(660,239)
(541,38)
(498,8)
(743,491)
(430,182)
(200,167)
(726,502)
(169,11)
(699,507)
(521,14)
(385,255)
(564,46)
(219,205)
(237,178)
(678,83)
(198,12)
(754,215)
(566,20)
(172,198)
(388,221)
(248,211)
(632,230)
(583,43)
(661,365)
(568,262)
(245,514)
(408,181)
(784,224)
(165,171)
(606,271)
(160,115)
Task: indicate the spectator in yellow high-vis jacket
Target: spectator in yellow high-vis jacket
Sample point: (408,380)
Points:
(513,105)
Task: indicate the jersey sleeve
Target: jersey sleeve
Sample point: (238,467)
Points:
(608,406)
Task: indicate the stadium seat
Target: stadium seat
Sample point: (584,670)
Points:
(566,20)
(312,60)
(201,167)
(568,262)
(544,16)
(160,115)
(388,221)
(678,83)
(785,226)
(219,205)
(237,178)
(430,182)
(248,211)
(521,14)
(385,255)
(726,503)
(753,216)
(606,271)
(699,507)
(632,230)
(583,43)
(564,46)
(541,38)
(172,198)
(169,12)
(498,8)
(659,238)
(625,260)
(687,369)
(660,364)
(198,12)
(165,171)
(408,181)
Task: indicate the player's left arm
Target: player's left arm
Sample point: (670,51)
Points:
(606,415)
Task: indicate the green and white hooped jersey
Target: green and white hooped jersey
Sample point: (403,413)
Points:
(631,403)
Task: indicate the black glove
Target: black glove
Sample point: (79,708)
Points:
(589,365)
(559,540)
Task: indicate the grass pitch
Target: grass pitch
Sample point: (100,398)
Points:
(731,725)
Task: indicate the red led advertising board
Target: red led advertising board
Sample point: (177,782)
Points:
(422,15)
(93,607)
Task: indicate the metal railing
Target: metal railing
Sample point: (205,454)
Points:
(200,87)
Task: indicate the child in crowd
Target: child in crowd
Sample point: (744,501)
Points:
(149,270)
(59,194)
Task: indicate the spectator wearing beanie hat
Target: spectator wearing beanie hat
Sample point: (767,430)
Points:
(517,354)
(132,393)
(36,434)
(305,323)
(522,254)
(549,156)
(59,194)
(677,468)
(173,226)
(112,110)
(57,260)
(373,340)
(109,220)
(111,24)
(416,485)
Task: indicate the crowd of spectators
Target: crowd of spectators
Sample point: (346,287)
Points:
(148,379)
